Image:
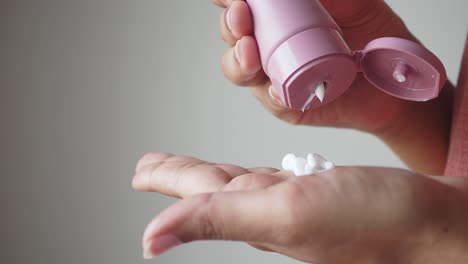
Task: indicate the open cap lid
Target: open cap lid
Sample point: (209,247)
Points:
(402,68)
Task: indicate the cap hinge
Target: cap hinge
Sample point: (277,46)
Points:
(357,54)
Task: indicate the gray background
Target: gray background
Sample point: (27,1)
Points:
(88,86)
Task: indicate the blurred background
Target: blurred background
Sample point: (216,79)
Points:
(89,86)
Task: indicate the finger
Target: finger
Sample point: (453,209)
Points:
(252,182)
(236,22)
(344,11)
(237,216)
(262,247)
(264,170)
(151,158)
(180,176)
(269,98)
(241,64)
(181,179)
(366,20)
(222,3)
(158,158)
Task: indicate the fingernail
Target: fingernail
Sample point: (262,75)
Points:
(237,52)
(158,246)
(147,252)
(274,96)
(254,73)
(228,19)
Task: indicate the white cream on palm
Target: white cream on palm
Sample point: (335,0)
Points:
(314,163)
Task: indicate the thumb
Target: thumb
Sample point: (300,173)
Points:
(235,216)
(364,20)
(349,10)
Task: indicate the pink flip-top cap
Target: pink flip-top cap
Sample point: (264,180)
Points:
(402,68)
(398,67)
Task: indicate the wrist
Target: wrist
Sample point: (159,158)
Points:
(420,133)
(446,239)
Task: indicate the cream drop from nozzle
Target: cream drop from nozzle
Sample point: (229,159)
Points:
(319,93)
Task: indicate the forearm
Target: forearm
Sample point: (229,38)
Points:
(421,135)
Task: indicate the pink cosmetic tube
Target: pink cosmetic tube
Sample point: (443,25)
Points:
(302,49)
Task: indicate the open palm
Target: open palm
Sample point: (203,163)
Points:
(347,215)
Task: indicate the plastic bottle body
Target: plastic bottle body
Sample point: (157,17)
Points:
(278,20)
(301,46)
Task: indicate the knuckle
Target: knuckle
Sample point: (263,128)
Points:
(209,228)
(289,116)
(226,34)
(234,72)
(151,157)
(233,75)
(218,3)
(244,182)
(153,171)
(156,156)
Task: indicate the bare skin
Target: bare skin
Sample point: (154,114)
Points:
(404,126)
(346,215)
